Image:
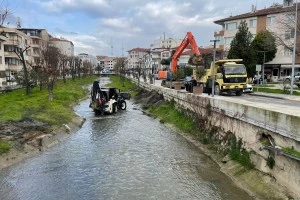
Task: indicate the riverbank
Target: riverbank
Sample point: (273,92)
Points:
(30,124)
(256,183)
(30,137)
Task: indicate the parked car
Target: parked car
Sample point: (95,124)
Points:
(287,80)
(248,89)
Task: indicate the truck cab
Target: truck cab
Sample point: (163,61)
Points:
(230,75)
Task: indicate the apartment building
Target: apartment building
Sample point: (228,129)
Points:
(270,19)
(137,57)
(66,47)
(39,38)
(107,62)
(10,63)
(168,43)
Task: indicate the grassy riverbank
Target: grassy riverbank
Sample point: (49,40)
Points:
(16,105)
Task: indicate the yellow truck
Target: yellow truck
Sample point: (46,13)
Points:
(230,77)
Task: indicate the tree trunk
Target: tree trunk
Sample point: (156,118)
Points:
(27,84)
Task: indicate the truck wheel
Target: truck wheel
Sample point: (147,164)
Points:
(217,90)
(115,108)
(239,93)
(123,105)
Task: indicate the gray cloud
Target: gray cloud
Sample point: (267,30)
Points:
(137,23)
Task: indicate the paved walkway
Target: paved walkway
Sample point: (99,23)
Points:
(277,96)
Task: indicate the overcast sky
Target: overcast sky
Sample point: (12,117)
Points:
(94,25)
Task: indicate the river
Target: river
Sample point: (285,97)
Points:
(127,155)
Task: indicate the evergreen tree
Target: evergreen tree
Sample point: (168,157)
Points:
(264,42)
(240,48)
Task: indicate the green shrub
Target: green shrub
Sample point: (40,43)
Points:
(4,146)
(239,154)
(270,162)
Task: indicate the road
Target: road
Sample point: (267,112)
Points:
(255,98)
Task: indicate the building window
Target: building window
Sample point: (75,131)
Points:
(289,34)
(290,18)
(253,23)
(271,20)
(231,26)
(0,59)
(287,52)
(228,40)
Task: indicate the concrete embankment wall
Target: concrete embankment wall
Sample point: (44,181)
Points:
(251,122)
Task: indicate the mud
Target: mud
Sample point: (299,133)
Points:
(29,137)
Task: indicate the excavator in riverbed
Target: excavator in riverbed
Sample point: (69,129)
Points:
(170,75)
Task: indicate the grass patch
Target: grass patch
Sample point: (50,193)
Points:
(274,91)
(168,114)
(16,105)
(123,84)
(291,151)
(239,154)
(4,146)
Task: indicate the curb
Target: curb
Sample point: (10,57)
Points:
(268,96)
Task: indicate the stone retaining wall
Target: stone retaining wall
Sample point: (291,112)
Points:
(251,123)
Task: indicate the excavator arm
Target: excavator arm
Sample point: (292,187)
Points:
(189,39)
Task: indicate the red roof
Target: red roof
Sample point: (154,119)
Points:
(138,49)
(263,12)
(202,51)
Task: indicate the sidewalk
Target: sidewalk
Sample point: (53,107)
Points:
(277,96)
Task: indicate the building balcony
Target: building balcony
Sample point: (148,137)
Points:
(10,54)
(35,45)
(13,67)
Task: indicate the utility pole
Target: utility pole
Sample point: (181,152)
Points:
(263,67)
(294,49)
(213,68)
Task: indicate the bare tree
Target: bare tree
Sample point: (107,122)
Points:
(87,67)
(71,61)
(20,48)
(63,66)
(77,65)
(284,30)
(5,13)
(51,56)
(119,68)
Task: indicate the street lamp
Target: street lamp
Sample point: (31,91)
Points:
(213,68)
(294,49)
(263,67)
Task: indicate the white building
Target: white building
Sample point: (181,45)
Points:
(66,47)
(89,58)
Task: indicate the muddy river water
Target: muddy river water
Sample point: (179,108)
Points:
(128,155)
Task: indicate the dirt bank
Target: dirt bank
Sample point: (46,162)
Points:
(28,137)
(254,182)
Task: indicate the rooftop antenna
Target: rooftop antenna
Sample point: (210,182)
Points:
(18,22)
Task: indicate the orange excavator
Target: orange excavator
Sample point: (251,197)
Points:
(188,40)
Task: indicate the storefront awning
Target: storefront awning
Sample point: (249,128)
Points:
(290,66)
